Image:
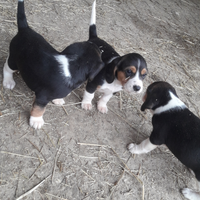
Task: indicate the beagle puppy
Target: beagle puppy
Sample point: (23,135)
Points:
(173,125)
(120,72)
(50,74)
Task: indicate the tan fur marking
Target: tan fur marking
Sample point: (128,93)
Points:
(133,69)
(144,71)
(115,70)
(37,111)
(121,77)
(144,97)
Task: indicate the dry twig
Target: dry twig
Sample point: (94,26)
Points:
(34,188)
(55,164)
(5,152)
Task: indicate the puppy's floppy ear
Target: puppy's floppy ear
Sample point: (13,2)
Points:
(95,70)
(148,103)
(111,68)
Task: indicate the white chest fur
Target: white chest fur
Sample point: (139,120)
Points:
(115,86)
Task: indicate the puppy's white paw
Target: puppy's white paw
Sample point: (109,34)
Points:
(8,83)
(58,101)
(186,192)
(191,194)
(102,109)
(132,147)
(86,106)
(36,122)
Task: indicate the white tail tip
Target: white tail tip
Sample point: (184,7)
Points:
(93,16)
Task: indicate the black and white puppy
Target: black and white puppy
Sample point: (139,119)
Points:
(173,125)
(50,74)
(121,72)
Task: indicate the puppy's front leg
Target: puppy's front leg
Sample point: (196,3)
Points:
(144,147)
(102,107)
(36,118)
(87,100)
(191,194)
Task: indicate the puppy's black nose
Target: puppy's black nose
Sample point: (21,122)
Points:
(136,88)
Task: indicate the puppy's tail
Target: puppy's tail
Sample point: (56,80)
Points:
(21,17)
(92,29)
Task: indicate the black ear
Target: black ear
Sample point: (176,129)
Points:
(95,70)
(111,69)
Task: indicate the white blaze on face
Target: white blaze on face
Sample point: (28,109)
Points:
(134,84)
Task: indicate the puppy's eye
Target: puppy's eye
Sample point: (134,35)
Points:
(129,72)
(143,76)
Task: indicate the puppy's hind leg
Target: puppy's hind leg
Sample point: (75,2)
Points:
(8,81)
(36,119)
(144,147)
(58,101)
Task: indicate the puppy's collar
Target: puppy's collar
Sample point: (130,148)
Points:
(113,59)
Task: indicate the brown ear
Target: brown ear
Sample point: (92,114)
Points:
(111,69)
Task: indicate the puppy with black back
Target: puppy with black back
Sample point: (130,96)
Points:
(173,125)
(120,72)
(50,74)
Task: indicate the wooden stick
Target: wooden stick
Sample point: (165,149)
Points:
(20,155)
(37,149)
(66,105)
(96,145)
(49,137)
(65,110)
(55,164)
(34,188)
(127,168)
(117,184)
(76,95)
(88,175)
(36,170)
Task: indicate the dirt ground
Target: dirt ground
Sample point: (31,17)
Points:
(82,155)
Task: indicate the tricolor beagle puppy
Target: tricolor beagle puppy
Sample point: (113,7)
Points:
(121,72)
(50,74)
(173,125)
